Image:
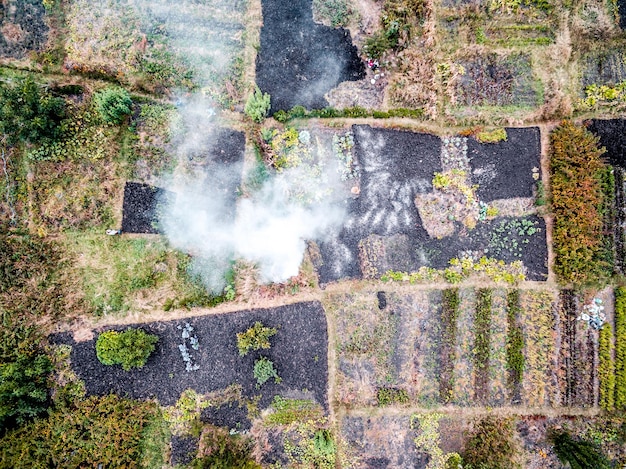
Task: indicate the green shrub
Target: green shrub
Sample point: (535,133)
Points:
(226,451)
(257,105)
(389,396)
(491,445)
(492,136)
(264,370)
(23,389)
(130,348)
(579,453)
(113,104)
(576,185)
(620,348)
(28,113)
(606,368)
(255,338)
(95,431)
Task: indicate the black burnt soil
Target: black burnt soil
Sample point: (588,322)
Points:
(395,166)
(298,351)
(504,170)
(141,207)
(612,135)
(299,60)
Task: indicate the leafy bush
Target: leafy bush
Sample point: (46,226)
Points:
(264,370)
(389,396)
(113,104)
(255,338)
(224,451)
(620,348)
(491,445)
(257,106)
(23,389)
(606,368)
(28,113)
(95,431)
(130,348)
(576,175)
(492,136)
(579,453)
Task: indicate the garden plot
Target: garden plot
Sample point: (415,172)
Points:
(219,170)
(454,346)
(160,45)
(298,350)
(299,60)
(420,204)
(607,67)
(22,27)
(490,79)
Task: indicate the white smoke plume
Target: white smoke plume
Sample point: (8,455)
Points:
(269,228)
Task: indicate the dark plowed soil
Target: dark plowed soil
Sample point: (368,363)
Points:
(395,166)
(621,7)
(298,352)
(140,212)
(184,449)
(504,170)
(606,67)
(299,60)
(22,27)
(612,135)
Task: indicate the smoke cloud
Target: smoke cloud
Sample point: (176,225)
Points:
(269,228)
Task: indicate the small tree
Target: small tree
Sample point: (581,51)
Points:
(257,105)
(264,370)
(580,454)
(130,348)
(255,338)
(113,104)
(23,388)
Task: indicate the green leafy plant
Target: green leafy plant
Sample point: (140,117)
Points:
(108,431)
(113,104)
(579,453)
(492,136)
(491,445)
(606,368)
(257,105)
(130,348)
(515,360)
(23,388)
(264,370)
(255,338)
(28,113)
(620,348)
(390,396)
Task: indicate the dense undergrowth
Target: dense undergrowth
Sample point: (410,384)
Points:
(577,170)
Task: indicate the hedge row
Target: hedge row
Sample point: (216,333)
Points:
(515,360)
(620,348)
(577,173)
(298,112)
(606,368)
(449,315)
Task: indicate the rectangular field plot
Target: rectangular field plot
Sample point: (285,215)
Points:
(468,347)
(422,200)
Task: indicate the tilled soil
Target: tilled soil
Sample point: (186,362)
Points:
(299,353)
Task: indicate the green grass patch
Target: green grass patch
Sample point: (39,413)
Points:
(287,411)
